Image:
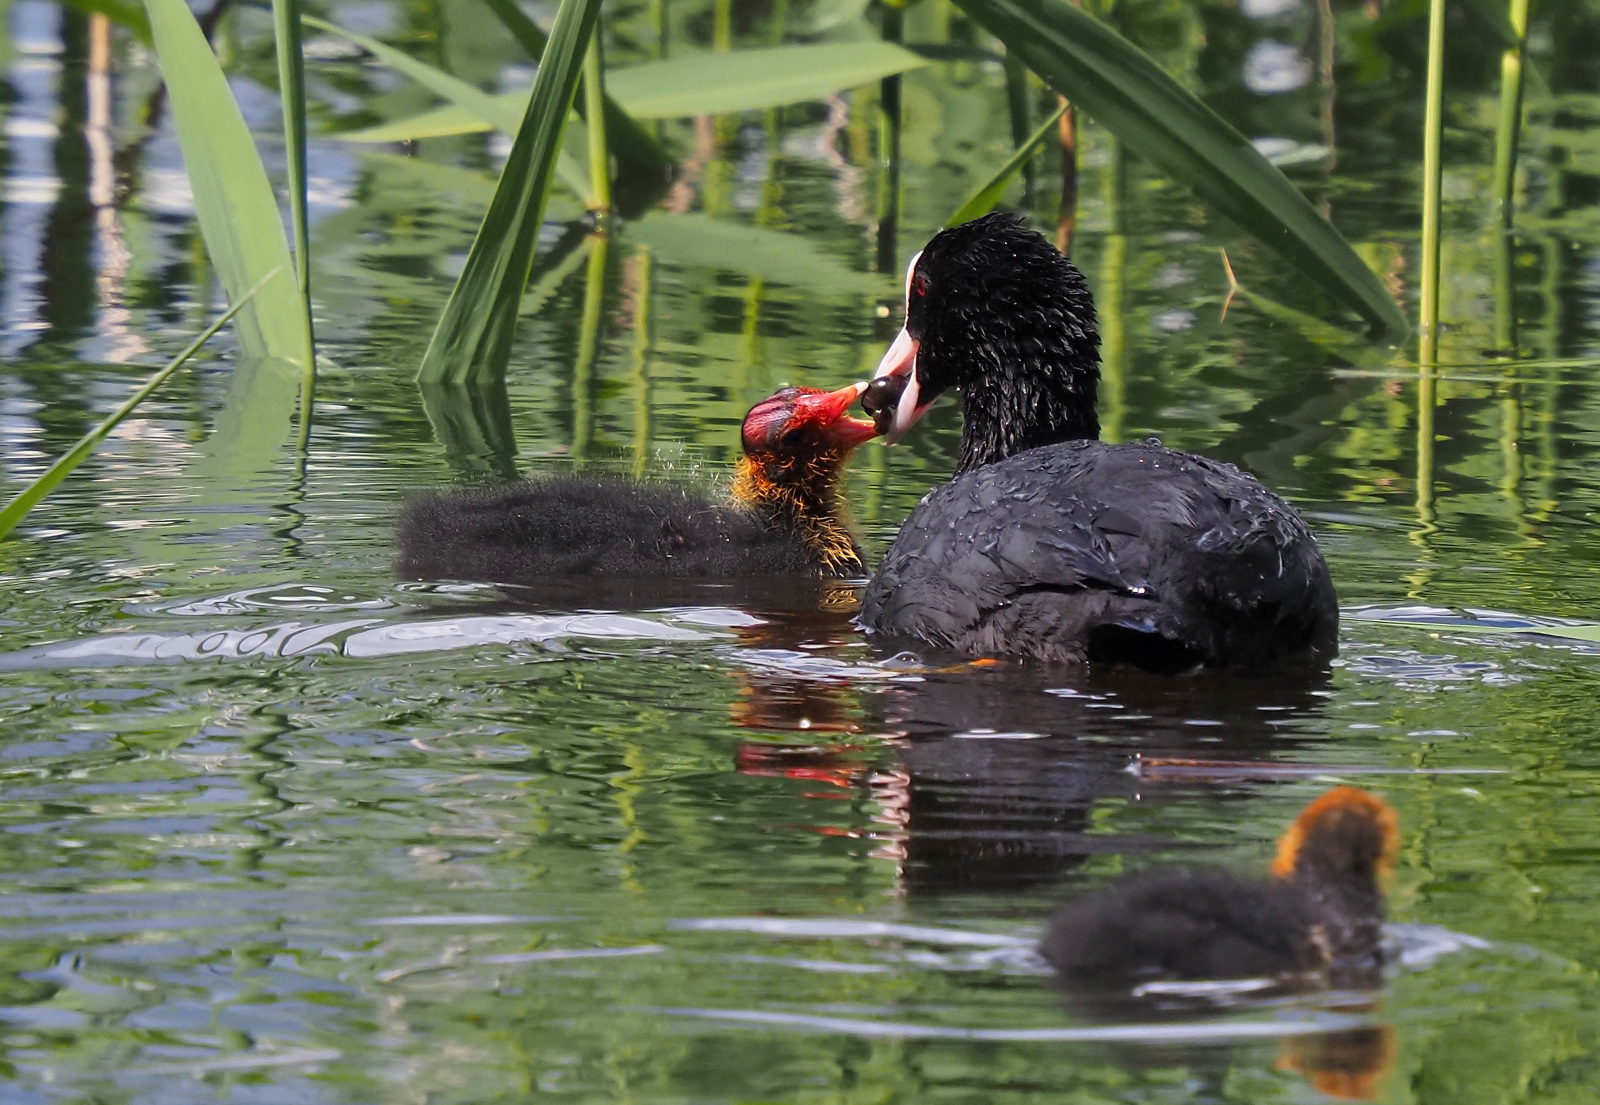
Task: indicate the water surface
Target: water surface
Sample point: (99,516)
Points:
(281,828)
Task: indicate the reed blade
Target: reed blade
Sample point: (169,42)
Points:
(711,84)
(292,96)
(639,156)
(233,199)
(982,201)
(473,338)
(17,509)
(491,112)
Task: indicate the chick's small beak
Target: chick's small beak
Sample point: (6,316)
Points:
(827,410)
(901,362)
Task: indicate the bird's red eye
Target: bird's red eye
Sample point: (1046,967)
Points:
(919,285)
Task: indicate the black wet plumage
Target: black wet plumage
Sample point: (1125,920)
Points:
(567,527)
(1185,924)
(1091,551)
(781,516)
(1052,545)
(1319,916)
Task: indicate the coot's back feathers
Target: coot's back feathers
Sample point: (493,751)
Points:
(1084,550)
(565,527)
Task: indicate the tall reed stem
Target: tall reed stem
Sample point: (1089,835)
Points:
(286,28)
(594,102)
(893,30)
(1432,179)
(1509,125)
(1507,130)
(658,21)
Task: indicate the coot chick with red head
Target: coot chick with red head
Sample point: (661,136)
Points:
(1319,916)
(1048,543)
(781,517)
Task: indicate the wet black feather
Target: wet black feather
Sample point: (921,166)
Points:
(1083,549)
(1182,924)
(1323,915)
(562,527)
(1051,545)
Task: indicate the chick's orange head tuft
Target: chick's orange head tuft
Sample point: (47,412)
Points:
(1342,806)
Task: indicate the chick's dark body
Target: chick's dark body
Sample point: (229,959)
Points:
(781,516)
(1084,550)
(1321,911)
(1207,923)
(1201,923)
(565,527)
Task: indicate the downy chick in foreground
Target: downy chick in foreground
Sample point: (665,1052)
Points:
(1319,916)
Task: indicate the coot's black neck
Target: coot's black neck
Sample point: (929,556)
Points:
(1035,404)
(1019,342)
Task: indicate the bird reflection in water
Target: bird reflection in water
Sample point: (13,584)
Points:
(983,779)
(1350,1065)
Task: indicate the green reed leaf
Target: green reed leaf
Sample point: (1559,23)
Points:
(233,200)
(710,84)
(982,201)
(1128,93)
(17,509)
(473,339)
(746,80)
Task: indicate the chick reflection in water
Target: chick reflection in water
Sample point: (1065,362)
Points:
(1172,940)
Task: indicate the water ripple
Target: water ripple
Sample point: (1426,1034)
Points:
(1120,1033)
(363,638)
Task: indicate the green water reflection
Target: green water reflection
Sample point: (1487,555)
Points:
(277,828)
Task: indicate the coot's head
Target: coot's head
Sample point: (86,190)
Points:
(994,312)
(1346,838)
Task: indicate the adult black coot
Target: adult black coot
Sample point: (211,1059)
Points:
(1319,917)
(1051,544)
(781,516)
